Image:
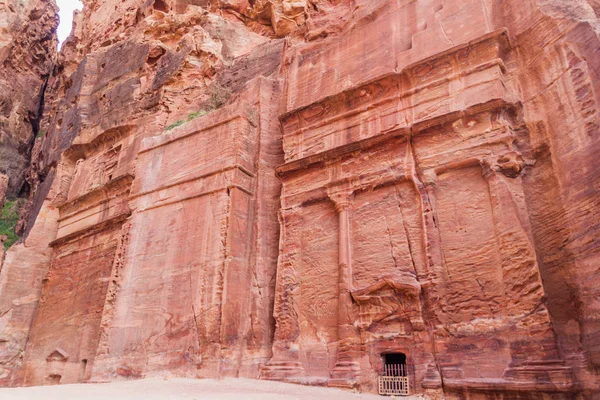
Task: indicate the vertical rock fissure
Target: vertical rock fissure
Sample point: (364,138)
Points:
(25,189)
(35,123)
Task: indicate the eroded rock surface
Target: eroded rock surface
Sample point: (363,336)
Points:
(291,190)
(27,53)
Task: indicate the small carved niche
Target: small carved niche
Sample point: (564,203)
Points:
(160,5)
(53,379)
(55,363)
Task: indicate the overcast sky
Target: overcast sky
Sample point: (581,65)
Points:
(66,17)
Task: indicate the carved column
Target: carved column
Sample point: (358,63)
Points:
(531,361)
(346,368)
(285,364)
(522,285)
(436,274)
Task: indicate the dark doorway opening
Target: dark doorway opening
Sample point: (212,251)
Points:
(82,368)
(395,364)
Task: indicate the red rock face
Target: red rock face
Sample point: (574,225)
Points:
(393,177)
(27,51)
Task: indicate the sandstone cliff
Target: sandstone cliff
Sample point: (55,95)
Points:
(302,190)
(27,53)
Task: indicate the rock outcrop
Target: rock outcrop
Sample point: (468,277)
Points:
(27,54)
(308,191)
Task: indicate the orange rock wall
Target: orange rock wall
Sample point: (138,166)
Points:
(200,262)
(393,176)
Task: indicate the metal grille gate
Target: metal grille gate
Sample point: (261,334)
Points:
(394,380)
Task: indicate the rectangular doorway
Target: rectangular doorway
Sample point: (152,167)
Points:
(394,380)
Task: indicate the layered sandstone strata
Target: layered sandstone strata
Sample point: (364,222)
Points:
(393,177)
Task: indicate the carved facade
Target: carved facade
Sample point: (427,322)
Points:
(402,187)
(426,206)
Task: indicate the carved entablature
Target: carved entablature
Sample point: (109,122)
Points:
(420,96)
(192,166)
(390,299)
(90,142)
(366,136)
(95,210)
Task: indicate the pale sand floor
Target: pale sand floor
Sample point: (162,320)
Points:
(185,389)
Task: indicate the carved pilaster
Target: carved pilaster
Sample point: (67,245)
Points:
(522,284)
(342,206)
(346,368)
(284,365)
(517,254)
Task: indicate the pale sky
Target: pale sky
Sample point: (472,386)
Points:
(66,17)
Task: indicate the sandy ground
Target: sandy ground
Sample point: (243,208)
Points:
(185,389)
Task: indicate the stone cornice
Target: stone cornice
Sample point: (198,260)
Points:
(499,36)
(344,150)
